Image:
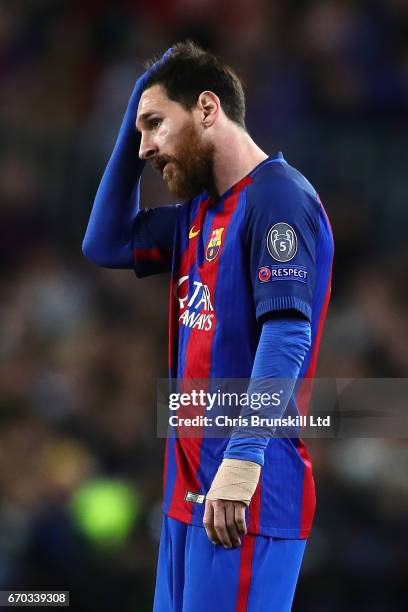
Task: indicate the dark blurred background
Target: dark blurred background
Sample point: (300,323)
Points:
(81,347)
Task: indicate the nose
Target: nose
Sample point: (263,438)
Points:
(147,147)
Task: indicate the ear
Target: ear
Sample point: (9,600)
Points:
(208,105)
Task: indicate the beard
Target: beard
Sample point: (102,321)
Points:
(191,170)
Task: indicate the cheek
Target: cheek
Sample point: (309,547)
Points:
(163,133)
(171,136)
(164,136)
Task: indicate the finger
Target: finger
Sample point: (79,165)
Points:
(231,525)
(239,509)
(161,60)
(220,524)
(208,522)
(167,54)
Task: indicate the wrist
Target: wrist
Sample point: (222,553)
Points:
(235,480)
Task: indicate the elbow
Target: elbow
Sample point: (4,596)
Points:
(307,337)
(89,251)
(93,254)
(300,339)
(104,257)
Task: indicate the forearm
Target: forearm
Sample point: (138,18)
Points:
(108,238)
(282,347)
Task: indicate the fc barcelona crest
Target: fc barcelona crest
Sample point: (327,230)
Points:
(214,244)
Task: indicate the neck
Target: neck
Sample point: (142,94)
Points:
(234,157)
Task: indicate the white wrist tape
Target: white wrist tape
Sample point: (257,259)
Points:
(235,480)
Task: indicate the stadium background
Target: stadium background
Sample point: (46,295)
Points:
(81,347)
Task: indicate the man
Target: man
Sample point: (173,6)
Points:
(250,251)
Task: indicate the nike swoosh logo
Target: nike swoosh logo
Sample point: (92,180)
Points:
(192,233)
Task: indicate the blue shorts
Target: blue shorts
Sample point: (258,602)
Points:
(193,575)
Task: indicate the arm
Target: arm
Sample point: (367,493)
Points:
(117,230)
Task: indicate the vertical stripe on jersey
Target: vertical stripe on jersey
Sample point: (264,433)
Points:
(183,269)
(308,504)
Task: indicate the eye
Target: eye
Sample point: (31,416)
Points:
(155,122)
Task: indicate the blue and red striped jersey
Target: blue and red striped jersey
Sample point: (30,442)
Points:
(265,245)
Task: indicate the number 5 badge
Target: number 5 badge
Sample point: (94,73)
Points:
(282,242)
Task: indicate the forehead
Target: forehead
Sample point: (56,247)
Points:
(154,99)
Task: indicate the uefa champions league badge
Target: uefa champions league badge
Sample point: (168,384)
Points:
(214,244)
(264,274)
(282,242)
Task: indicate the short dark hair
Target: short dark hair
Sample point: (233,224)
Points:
(189,70)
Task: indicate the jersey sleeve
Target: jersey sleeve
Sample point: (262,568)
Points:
(153,239)
(281,233)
